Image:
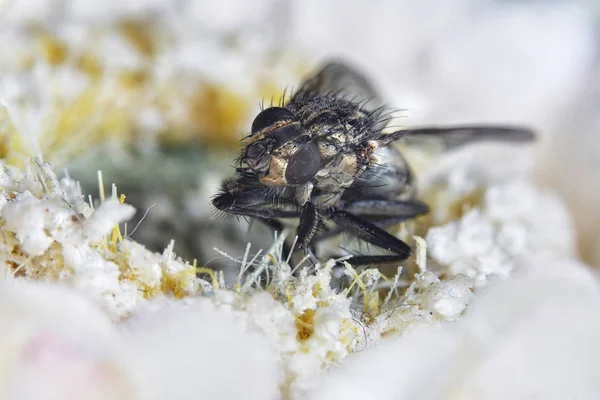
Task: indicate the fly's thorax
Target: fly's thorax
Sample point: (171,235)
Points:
(336,175)
(340,168)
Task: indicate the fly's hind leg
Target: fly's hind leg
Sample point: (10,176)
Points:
(372,234)
(380,213)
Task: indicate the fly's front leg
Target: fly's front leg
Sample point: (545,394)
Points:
(310,220)
(308,226)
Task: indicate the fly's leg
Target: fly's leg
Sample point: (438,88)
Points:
(387,209)
(361,260)
(366,219)
(372,234)
(245,204)
(381,223)
(382,213)
(308,226)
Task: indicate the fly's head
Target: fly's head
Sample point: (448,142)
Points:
(279,150)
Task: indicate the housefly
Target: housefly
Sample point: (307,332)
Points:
(313,158)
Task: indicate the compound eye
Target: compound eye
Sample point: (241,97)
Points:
(269,117)
(304,164)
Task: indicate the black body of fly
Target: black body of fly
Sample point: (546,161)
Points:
(314,159)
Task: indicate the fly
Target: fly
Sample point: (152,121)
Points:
(313,159)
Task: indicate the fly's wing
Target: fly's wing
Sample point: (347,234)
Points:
(339,77)
(391,179)
(452,137)
(343,80)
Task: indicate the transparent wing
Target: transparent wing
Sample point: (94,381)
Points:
(454,137)
(346,81)
(339,77)
(451,137)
